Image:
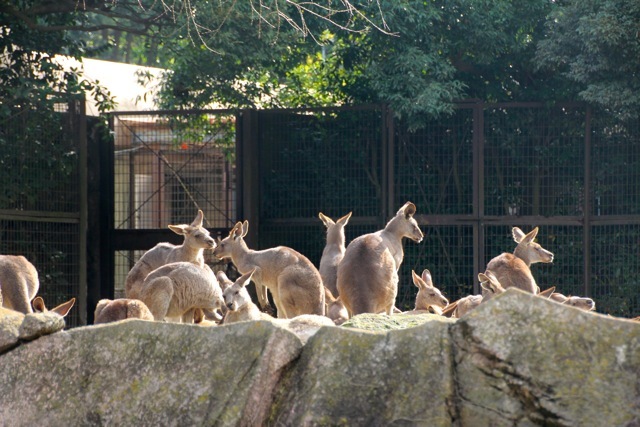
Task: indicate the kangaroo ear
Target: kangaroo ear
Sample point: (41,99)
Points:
(38,305)
(245,228)
(245,278)
(199,218)
(547,292)
(235,230)
(63,309)
(417,280)
(325,220)
(408,209)
(530,237)
(179,229)
(345,219)
(426,276)
(517,234)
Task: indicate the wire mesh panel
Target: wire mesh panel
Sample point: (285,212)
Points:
(434,166)
(53,253)
(447,252)
(534,161)
(167,167)
(40,201)
(615,165)
(615,264)
(326,161)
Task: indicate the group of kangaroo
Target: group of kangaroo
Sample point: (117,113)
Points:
(173,282)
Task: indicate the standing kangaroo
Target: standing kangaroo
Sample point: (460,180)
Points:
(196,240)
(514,269)
(19,283)
(294,282)
(368,273)
(333,251)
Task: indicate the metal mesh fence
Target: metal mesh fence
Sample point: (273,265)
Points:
(534,161)
(434,166)
(615,265)
(40,197)
(319,160)
(166,168)
(473,176)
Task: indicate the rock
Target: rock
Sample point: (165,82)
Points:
(10,322)
(16,326)
(36,325)
(384,323)
(360,378)
(524,360)
(135,372)
(517,360)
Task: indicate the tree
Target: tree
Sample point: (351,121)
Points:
(596,45)
(440,51)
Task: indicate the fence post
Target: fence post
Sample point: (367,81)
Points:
(586,232)
(388,164)
(79,128)
(478,193)
(248,173)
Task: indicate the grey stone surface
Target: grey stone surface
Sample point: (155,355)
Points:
(517,360)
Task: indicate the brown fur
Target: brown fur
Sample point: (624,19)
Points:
(175,290)
(119,309)
(333,251)
(294,282)
(19,283)
(62,309)
(514,269)
(583,303)
(196,240)
(368,274)
(429,299)
(490,288)
(335,309)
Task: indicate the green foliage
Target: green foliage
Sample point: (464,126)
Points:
(596,45)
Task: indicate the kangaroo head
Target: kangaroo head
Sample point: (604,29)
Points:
(195,235)
(235,237)
(490,285)
(404,224)
(586,304)
(236,295)
(528,250)
(428,295)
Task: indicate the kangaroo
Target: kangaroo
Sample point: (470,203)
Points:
(19,283)
(583,303)
(429,298)
(368,274)
(196,240)
(333,251)
(62,309)
(490,288)
(239,304)
(334,308)
(294,282)
(514,269)
(175,290)
(119,309)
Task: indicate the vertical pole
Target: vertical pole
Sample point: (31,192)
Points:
(388,164)
(248,174)
(586,232)
(80,135)
(478,193)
